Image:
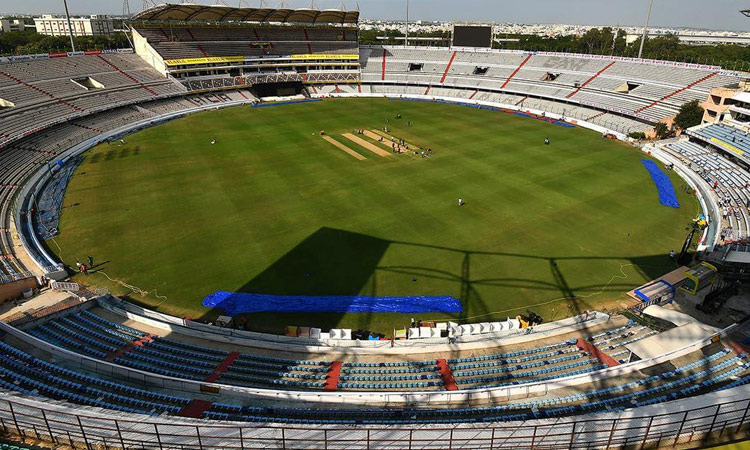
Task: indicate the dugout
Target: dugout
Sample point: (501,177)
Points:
(698,277)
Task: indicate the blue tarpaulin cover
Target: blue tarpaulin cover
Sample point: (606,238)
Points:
(664,185)
(290,102)
(238,303)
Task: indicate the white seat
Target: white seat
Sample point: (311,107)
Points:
(496,327)
(346,333)
(325,336)
(315,333)
(413,333)
(485,327)
(336,333)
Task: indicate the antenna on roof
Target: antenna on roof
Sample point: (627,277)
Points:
(126,8)
(342,6)
(313,5)
(282,5)
(357,6)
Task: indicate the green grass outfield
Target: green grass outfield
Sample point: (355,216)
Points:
(742,445)
(273,208)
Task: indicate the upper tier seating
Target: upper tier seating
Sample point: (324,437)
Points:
(49,91)
(656,91)
(725,136)
(194,42)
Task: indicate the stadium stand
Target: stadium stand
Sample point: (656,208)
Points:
(100,338)
(715,367)
(634,91)
(202,42)
(724,135)
(55,90)
(730,181)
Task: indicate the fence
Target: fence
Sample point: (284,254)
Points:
(635,428)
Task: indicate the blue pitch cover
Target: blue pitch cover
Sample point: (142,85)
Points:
(667,196)
(238,303)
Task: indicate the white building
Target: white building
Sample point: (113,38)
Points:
(82,26)
(6,26)
(739,107)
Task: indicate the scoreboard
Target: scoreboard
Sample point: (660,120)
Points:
(472,36)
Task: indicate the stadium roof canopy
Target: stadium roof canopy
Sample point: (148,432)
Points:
(221,13)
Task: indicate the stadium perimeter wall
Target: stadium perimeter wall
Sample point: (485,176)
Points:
(298,344)
(721,413)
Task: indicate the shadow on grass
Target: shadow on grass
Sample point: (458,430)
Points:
(329,262)
(343,263)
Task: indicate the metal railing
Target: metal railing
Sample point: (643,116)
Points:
(64,427)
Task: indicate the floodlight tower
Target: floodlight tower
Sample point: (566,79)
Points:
(645,29)
(406,38)
(70,26)
(148,4)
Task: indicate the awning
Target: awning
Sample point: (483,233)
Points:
(669,315)
(671,340)
(221,13)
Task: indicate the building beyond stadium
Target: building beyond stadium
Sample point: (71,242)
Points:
(81,26)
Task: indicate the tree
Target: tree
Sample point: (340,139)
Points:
(620,42)
(690,115)
(29,42)
(662,131)
(597,41)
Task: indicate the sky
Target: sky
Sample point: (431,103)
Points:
(711,14)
